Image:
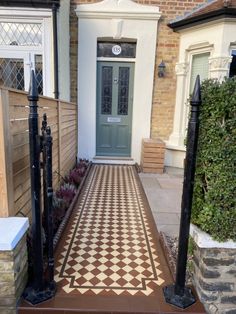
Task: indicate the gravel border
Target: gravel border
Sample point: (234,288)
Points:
(170,248)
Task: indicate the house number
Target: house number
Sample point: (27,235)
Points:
(116,50)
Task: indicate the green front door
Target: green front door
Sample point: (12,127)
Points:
(114,108)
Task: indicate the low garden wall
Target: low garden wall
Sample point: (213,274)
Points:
(13,262)
(214,272)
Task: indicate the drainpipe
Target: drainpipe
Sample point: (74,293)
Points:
(55,50)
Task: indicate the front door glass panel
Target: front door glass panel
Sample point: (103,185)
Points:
(106,103)
(123,91)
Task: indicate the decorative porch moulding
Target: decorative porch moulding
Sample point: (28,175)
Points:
(220,63)
(182,68)
(109,20)
(219,67)
(126,9)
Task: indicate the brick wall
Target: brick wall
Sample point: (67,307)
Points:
(167,50)
(13,276)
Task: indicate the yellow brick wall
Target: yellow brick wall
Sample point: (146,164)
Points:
(167,50)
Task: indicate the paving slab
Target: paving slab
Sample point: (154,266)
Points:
(164,193)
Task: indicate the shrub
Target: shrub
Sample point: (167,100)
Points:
(63,197)
(66,192)
(76,175)
(214,201)
(60,207)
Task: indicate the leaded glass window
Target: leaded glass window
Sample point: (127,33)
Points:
(20,34)
(123,91)
(12,73)
(106,104)
(39,73)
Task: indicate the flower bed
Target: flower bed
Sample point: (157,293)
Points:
(64,200)
(68,195)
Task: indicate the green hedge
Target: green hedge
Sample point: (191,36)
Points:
(214,201)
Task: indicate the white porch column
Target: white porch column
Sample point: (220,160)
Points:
(178,134)
(219,67)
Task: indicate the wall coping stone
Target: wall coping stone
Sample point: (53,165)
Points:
(204,240)
(12,230)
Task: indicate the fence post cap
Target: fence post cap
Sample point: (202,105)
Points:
(33,89)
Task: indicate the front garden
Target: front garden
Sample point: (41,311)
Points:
(214,203)
(214,200)
(211,264)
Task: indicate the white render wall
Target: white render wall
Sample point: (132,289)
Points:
(115,20)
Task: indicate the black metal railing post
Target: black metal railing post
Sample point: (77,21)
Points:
(42,286)
(49,197)
(46,148)
(178,294)
(42,147)
(36,227)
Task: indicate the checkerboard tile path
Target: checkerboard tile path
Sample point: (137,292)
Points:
(109,248)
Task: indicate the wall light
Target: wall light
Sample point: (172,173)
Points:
(161,69)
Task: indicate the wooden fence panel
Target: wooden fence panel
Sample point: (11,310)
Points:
(14,146)
(67,113)
(6,172)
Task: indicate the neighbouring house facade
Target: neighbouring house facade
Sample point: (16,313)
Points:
(107,56)
(35,36)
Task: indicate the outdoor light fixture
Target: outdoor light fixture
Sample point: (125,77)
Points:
(161,69)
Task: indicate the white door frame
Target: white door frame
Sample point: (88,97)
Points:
(115,20)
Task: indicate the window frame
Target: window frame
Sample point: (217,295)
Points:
(44,16)
(202,49)
(232,48)
(191,54)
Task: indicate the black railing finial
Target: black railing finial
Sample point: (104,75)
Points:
(33,89)
(196,97)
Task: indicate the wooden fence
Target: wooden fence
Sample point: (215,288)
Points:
(14,146)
